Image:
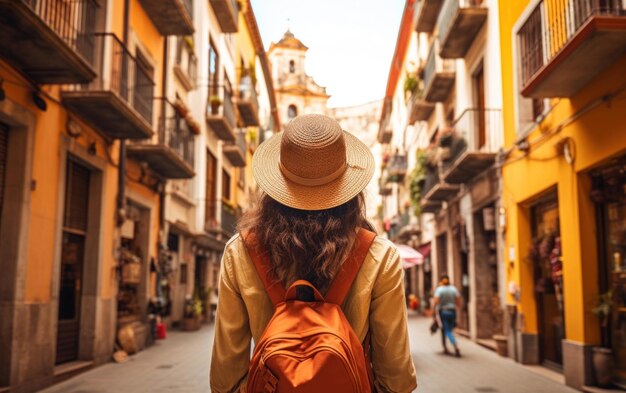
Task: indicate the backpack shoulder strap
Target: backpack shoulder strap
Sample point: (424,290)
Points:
(273,286)
(347,273)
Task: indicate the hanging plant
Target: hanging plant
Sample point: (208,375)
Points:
(417,178)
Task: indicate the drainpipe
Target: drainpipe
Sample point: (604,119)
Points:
(121,194)
(162,129)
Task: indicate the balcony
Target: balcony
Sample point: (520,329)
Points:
(119,102)
(435,190)
(397,168)
(384,188)
(170,17)
(470,152)
(419,108)
(247,102)
(186,66)
(51,41)
(430,206)
(565,44)
(171,153)
(459,23)
(221,115)
(439,76)
(236,151)
(227,14)
(427,13)
(230,217)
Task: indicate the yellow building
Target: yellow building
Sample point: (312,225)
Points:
(84,158)
(564,171)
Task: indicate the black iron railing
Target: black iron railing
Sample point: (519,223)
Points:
(174,132)
(119,72)
(449,11)
(397,168)
(480,128)
(230,216)
(228,107)
(435,64)
(73,20)
(431,178)
(247,92)
(552,24)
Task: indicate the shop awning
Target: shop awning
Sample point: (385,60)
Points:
(424,249)
(410,257)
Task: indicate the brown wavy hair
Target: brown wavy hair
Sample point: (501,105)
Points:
(305,244)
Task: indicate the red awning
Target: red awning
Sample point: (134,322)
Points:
(410,257)
(424,249)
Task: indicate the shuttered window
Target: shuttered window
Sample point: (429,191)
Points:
(4,148)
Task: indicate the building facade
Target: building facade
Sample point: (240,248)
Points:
(442,124)
(296,92)
(124,129)
(563,193)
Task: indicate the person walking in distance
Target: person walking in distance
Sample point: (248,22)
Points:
(307,278)
(446,302)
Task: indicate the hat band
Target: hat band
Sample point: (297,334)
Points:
(305,181)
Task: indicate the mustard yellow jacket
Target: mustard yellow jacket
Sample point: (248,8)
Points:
(375,302)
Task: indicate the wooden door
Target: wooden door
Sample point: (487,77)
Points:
(72,261)
(4,150)
(480,138)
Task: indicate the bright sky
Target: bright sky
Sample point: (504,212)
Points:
(350,42)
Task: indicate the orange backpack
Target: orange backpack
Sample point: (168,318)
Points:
(309,347)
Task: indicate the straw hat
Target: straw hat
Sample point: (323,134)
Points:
(313,164)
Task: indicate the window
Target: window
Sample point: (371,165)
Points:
(292,66)
(144,87)
(214,60)
(292,111)
(225,185)
(183,273)
(211,187)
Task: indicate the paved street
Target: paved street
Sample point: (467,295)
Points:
(180,364)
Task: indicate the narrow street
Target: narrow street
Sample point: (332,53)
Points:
(180,364)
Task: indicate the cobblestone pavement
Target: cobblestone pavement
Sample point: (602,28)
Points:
(180,364)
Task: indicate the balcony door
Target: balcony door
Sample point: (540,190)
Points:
(144,87)
(480,139)
(72,261)
(210,190)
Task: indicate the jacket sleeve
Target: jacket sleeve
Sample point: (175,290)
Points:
(232,340)
(391,356)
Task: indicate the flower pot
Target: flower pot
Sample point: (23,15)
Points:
(603,365)
(502,345)
(191,324)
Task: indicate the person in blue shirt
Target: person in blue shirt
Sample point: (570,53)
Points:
(446,301)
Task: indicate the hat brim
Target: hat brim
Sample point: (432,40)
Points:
(267,173)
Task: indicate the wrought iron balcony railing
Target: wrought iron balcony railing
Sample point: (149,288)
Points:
(551,27)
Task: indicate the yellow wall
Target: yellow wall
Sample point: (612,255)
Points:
(49,130)
(597,135)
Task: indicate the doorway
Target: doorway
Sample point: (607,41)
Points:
(546,257)
(76,208)
(442,256)
(480,139)
(610,197)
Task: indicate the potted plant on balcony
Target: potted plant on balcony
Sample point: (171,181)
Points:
(602,358)
(215,102)
(192,313)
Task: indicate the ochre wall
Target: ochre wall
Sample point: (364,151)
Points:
(597,135)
